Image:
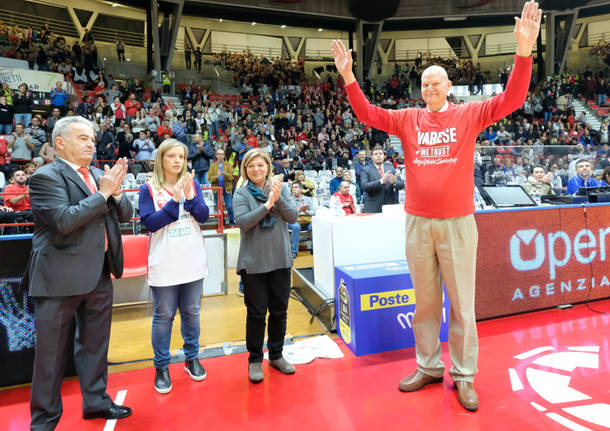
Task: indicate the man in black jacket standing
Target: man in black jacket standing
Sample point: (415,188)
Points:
(75,247)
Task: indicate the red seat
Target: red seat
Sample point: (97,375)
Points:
(135,255)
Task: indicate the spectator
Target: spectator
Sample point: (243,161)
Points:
(22,103)
(58,97)
(164,131)
(263,207)
(198,55)
(125,142)
(342,201)
(305,211)
(380,183)
(118,110)
(179,129)
(120,50)
(201,153)
(106,148)
(539,183)
(336,181)
(307,186)
(37,135)
(88,37)
(7,93)
(20,143)
(187,56)
(177,263)
(7,113)
(360,163)
(354,189)
(286,170)
(47,152)
(17,198)
(132,106)
(144,147)
(221,175)
(604,178)
(582,177)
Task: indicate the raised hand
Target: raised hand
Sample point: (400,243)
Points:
(343,61)
(527,28)
(178,188)
(110,182)
(187,186)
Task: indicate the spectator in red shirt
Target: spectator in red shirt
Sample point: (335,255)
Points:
(441,235)
(16,195)
(17,198)
(132,106)
(164,129)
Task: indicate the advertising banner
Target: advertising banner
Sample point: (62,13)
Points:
(534,259)
(375,304)
(36,80)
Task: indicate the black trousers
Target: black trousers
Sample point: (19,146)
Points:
(53,316)
(262,292)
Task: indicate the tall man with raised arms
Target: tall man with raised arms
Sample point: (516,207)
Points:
(441,234)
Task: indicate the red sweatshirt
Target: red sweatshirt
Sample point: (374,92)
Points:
(439,146)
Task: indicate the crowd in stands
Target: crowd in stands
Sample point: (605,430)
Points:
(47,51)
(306,124)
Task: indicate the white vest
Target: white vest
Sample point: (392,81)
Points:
(177,251)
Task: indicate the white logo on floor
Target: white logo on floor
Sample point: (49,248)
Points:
(554,386)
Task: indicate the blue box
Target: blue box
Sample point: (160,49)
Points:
(375,305)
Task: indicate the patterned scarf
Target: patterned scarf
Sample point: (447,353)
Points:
(260,196)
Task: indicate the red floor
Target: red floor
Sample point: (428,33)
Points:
(561,375)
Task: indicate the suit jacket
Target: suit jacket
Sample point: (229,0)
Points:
(68,255)
(378,194)
(214,173)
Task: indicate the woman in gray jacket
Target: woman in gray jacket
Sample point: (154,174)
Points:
(263,206)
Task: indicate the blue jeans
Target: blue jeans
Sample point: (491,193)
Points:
(548,116)
(167,299)
(23,118)
(601,99)
(202,177)
(295,235)
(6,129)
(227,201)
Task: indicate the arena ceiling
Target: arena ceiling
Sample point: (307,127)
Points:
(408,15)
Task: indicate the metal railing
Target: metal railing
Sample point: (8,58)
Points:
(596,37)
(111,35)
(268,52)
(219,215)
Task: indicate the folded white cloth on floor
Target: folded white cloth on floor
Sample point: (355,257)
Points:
(305,351)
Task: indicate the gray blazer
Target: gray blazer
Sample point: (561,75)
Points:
(378,194)
(68,244)
(263,250)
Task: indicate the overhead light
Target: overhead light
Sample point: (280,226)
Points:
(319,29)
(253,23)
(454,18)
(283,26)
(115,4)
(219,19)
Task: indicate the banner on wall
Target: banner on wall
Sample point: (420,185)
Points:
(36,80)
(541,258)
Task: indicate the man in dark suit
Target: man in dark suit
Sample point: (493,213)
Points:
(75,247)
(380,183)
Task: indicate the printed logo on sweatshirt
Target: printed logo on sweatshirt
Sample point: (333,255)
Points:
(433,148)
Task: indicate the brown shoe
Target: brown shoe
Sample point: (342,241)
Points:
(467,396)
(416,381)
